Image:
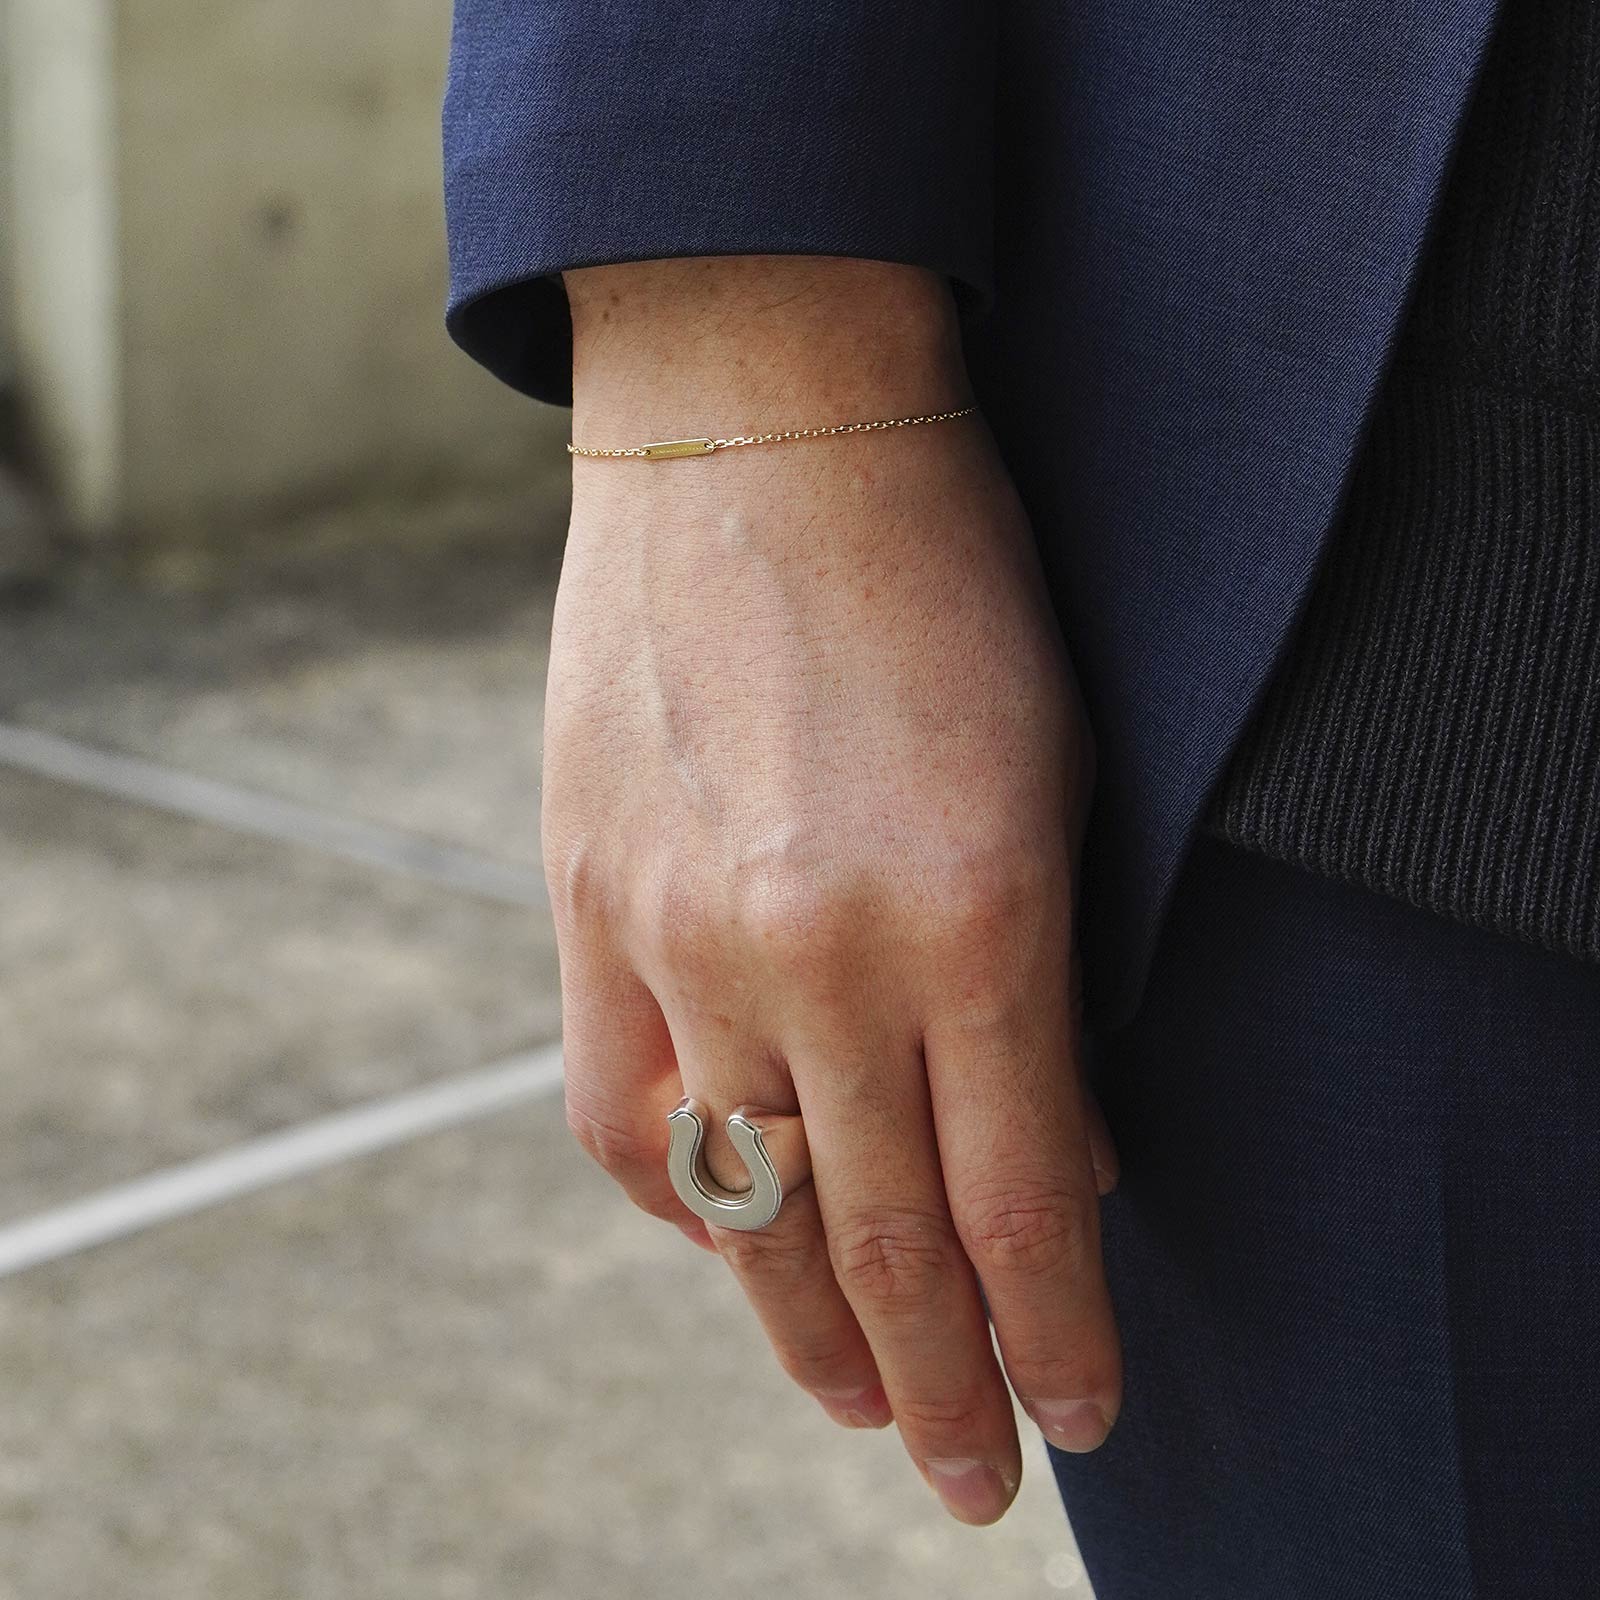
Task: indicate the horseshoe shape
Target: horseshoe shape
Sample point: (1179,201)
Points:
(772,1147)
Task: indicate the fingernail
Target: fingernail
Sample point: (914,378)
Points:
(971,1490)
(858,1408)
(1076,1425)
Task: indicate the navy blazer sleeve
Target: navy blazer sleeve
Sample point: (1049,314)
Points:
(578,132)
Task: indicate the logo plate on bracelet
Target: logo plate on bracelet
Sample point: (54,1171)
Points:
(677,447)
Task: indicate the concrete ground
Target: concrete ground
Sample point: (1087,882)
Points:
(460,1368)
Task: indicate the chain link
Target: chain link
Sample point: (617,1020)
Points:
(645,452)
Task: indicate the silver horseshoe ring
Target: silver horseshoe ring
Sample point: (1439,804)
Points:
(772,1147)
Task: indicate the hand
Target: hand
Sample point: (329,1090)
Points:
(816,773)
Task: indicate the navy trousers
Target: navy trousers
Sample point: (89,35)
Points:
(1355,1254)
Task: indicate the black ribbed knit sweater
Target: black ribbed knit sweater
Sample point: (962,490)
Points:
(1434,730)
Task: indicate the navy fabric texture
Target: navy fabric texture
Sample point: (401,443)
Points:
(1354,1254)
(577,134)
(1184,232)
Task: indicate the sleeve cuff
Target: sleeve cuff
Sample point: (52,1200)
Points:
(585,135)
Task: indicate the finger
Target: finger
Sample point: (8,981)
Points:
(1015,1146)
(783,1268)
(1102,1148)
(695,1232)
(897,1258)
(621,1079)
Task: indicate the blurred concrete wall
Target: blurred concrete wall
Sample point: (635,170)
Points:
(6,291)
(226,267)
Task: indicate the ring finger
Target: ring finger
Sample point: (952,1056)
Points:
(783,1268)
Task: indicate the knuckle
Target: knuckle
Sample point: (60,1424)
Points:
(802,918)
(818,1361)
(678,925)
(617,1147)
(784,906)
(893,1259)
(664,1206)
(1038,1229)
(983,894)
(991,923)
(578,884)
(773,1257)
(982,905)
(932,1419)
(1095,1369)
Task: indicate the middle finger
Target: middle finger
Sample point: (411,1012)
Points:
(897,1256)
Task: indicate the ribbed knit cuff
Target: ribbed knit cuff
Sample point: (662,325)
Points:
(1434,732)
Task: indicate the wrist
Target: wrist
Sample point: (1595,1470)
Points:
(742,344)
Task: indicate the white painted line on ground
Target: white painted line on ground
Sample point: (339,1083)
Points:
(147,783)
(243,1168)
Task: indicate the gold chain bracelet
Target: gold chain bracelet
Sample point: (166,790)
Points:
(667,449)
